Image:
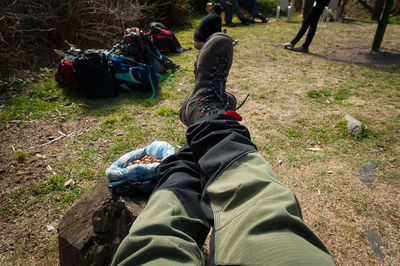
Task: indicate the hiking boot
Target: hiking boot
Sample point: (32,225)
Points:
(252,20)
(288,45)
(211,71)
(301,49)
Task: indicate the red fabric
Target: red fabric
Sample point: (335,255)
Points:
(164,34)
(234,115)
(65,74)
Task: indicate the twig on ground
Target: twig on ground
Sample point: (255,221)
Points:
(34,172)
(62,135)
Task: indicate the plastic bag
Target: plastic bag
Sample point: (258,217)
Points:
(137,179)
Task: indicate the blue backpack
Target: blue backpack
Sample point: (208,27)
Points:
(133,75)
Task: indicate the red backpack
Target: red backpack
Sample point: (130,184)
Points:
(65,74)
(164,40)
(133,44)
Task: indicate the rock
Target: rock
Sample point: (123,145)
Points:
(393,160)
(354,127)
(330,172)
(375,242)
(366,172)
(280,162)
(91,230)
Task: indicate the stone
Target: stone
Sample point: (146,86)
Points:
(90,232)
(354,127)
(366,173)
(375,242)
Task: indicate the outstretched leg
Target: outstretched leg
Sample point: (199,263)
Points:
(257,220)
(171,228)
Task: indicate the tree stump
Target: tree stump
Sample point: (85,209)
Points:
(91,230)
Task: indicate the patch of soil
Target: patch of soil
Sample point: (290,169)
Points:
(356,52)
(41,141)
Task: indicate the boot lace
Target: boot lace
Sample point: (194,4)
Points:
(216,96)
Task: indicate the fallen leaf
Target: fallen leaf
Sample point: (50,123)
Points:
(68,183)
(40,156)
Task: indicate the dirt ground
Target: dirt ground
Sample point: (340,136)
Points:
(19,234)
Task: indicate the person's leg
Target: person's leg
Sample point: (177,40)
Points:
(255,13)
(228,12)
(304,27)
(198,44)
(236,9)
(171,228)
(313,27)
(256,220)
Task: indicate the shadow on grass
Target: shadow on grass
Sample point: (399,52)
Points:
(376,59)
(108,106)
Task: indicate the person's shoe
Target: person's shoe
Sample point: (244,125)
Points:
(245,21)
(288,45)
(301,49)
(252,20)
(264,19)
(230,24)
(211,71)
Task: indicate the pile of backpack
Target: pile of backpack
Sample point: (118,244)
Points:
(133,64)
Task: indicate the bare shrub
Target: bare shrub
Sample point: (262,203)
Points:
(31,30)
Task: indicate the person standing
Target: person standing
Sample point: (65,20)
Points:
(310,22)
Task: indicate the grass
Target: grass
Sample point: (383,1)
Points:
(296,101)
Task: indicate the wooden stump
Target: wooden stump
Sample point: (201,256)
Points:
(91,230)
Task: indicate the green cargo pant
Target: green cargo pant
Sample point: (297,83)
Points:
(256,219)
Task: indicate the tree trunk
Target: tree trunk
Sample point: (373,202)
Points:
(380,30)
(377,10)
(342,8)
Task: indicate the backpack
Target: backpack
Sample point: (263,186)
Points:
(133,75)
(65,74)
(133,44)
(138,46)
(93,75)
(163,39)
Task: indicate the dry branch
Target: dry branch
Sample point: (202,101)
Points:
(30,31)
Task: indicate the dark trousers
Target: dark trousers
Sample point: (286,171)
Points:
(252,7)
(237,10)
(310,22)
(219,179)
(228,9)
